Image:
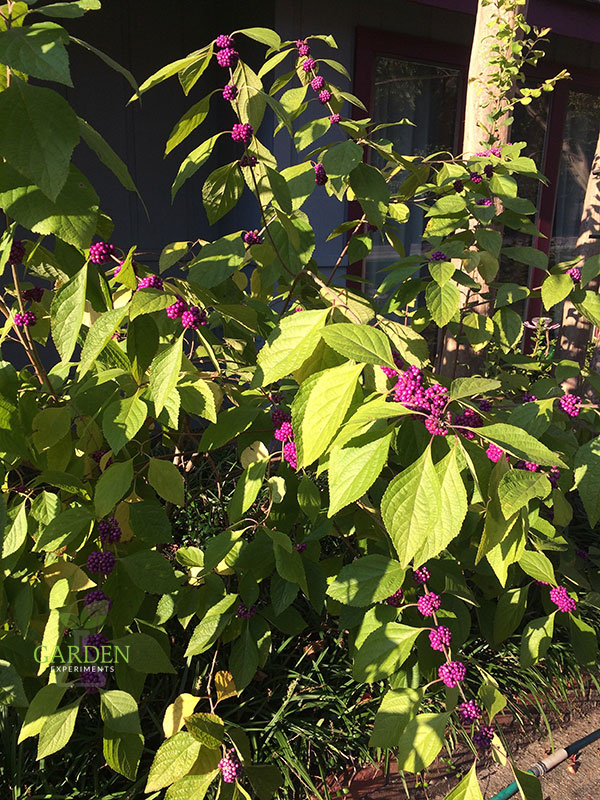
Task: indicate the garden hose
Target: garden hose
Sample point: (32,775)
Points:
(546,764)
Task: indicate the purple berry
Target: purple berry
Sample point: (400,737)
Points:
(304,49)
(317,83)
(395,599)
(428,604)
(324,96)
(17,253)
(227,57)
(452,673)
(436,425)
(284,433)
(245,612)
(488,170)
(252,237)
(309,64)
(475,177)
(97,603)
(33,295)
(230,92)
(101,252)
(485,405)
(440,637)
(483,201)
(320,175)
(494,453)
(231,767)
(26,320)
(94,640)
(177,310)
(575,274)
(248,161)
(279,416)
(553,476)
(290,455)
(101,561)
(301,547)
(150,282)
(469,711)
(483,738)
(109,530)
(334,119)
(242,132)
(421,575)
(528,398)
(193,318)
(223,41)
(458,186)
(437,255)
(93,680)
(569,403)
(560,597)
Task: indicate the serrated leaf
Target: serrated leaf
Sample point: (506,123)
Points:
(247,489)
(119,711)
(192,163)
(529,785)
(164,374)
(41,707)
(520,444)
(99,335)
(421,741)
(587,478)
(171,254)
(411,507)
(469,387)
(289,345)
(69,10)
(320,407)
(536,640)
(107,155)
(173,759)
(538,566)
(367,580)
(354,468)
(66,313)
(397,708)
(468,788)
(555,288)
(112,485)
(188,123)
(518,487)
(211,625)
(166,480)
(360,343)
(38,134)
(191,787)
(122,420)
(38,50)
(57,730)
(222,190)
(208,729)
(174,718)
(443,302)
(384,651)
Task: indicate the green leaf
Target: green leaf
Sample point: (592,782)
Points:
(142,344)
(342,158)
(520,444)
(16,535)
(171,254)
(217,261)
(38,133)
(62,529)
(310,132)
(169,70)
(107,155)
(509,613)
(262,35)
(289,345)
(555,288)
(479,330)
(37,50)
(397,708)
(354,468)
(360,343)
(192,163)
(150,571)
(70,10)
(123,751)
(73,217)
(384,651)
(11,686)
(119,711)
(538,566)
(530,787)
(99,335)
(49,426)
(247,489)
(145,653)
(453,509)
(149,522)
(584,641)
(421,741)
(468,788)
(174,759)
(66,313)
(590,269)
(167,481)
(122,420)
(211,625)
(527,255)
(493,700)
(518,487)
(43,704)
(469,387)
(367,580)
(230,424)
(191,787)
(412,506)
(57,730)
(244,658)
(309,498)
(208,729)
(489,240)
(587,478)
(108,60)
(443,302)
(536,640)
(265,779)
(222,190)
(320,407)
(197,398)
(289,564)
(188,123)
(164,374)
(250,101)
(112,485)
(189,76)
(589,307)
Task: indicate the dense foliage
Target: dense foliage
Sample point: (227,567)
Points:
(399,509)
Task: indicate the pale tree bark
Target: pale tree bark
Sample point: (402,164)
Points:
(460,359)
(575,331)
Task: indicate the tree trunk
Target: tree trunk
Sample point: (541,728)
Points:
(575,331)
(460,359)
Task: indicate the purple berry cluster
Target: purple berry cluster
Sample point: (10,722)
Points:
(483,738)
(94,640)
(452,673)
(231,767)
(252,237)
(290,454)
(484,201)
(458,186)
(320,175)
(93,680)
(248,161)
(440,637)
(421,575)
(193,318)
(33,295)
(437,255)
(468,419)
(570,404)
(230,92)
(97,602)
(410,391)
(245,612)
(531,466)
(494,453)
(485,405)
(528,398)
(227,57)
(469,711)
(429,603)
(102,561)
(177,309)
(488,171)
(25,320)
(560,598)
(109,530)
(396,599)
(309,64)
(493,151)
(242,132)
(150,282)
(475,177)
(302,47)
(285,433)
(101,252)
(575,274)
(553,476)
(17,253)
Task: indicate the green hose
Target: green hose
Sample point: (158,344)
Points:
(544,766)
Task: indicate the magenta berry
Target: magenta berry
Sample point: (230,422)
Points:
(93,680)
(570,404)
(469,711)
(553,476)
(488,170)
(494,453)
(301,547)
(440,637)
(227,57)
(193,318)
(279,416)
(17,252)
(252,237)
(101,561)
(101,252)
(437,255)
(428,604)
(284,433)
(531,466)
(97,603)
(475,177)
(230,92)
(109,530)
(304,49)
(421,575)
(33,295)
(485,405)
(290,455)
(26,320)
(324,96)
(484,201)
(150,282)
(560,598)
(308,64)
(452,673)
(231,767)
(242,132)
(458,186)
(334,119)
(245,612)
(575,274)
(528,398)
(223,41)
(317,83)
(395,599)
(94,640)
(177,310)
(483,738)
(436,425)
(320,175)
(248,161)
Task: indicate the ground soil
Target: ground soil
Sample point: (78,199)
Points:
(568,781)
